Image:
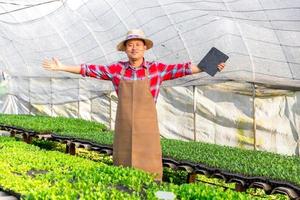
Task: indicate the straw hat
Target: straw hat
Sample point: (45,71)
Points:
(135,34)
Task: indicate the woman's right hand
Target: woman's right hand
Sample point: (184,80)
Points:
(52,65)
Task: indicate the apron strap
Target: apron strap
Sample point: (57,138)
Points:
(123,72)
(146,73)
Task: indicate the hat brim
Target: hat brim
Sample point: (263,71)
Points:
(121,45)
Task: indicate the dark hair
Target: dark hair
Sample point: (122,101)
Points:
(136,39)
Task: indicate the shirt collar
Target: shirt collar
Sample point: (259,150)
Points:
(144,65)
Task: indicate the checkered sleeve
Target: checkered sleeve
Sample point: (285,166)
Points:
(97,71)
(172,71)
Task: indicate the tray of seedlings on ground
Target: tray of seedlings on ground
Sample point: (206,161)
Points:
(192,162)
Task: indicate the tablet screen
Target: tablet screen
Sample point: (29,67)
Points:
(210,62)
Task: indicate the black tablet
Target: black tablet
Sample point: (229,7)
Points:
(210,62)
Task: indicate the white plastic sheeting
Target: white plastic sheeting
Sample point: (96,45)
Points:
(253,103)
(224,114)
(220,113)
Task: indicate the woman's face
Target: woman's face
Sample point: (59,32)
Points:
(135,49)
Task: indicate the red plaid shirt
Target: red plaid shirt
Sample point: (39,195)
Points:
(158,72)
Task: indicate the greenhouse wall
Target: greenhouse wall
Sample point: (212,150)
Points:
(238,114)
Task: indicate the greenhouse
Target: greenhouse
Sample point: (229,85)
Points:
(76,121)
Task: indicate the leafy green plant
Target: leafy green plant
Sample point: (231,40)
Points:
(40,174)
(247,162)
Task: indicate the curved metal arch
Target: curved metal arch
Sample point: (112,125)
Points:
(280,44)
(243,39)
(32,20)
(177,30)
(18,51)
(92,33)
(122,20)
(62,38)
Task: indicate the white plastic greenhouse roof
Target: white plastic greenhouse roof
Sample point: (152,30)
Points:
(262,37)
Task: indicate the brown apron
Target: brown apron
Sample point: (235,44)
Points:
(137,139)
